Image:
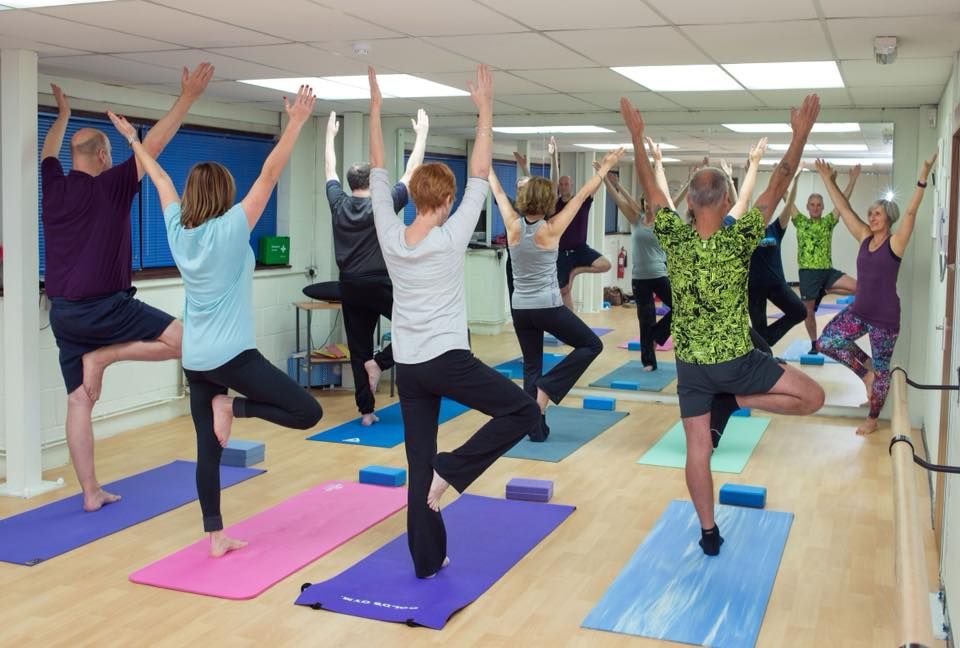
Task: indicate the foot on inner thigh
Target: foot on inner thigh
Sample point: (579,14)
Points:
(220,544)
(437,487)
(93,368)
(369,419)
(373,374)
(542,400)
(222,418)
(99,498)
(869,427)
(446,561)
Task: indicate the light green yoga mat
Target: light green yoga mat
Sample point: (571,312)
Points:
(736,446)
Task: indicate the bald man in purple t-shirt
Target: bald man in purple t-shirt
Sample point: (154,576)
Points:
(86,226)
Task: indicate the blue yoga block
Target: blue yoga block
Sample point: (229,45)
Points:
(243,453)
(600,403)
(768,241)
(743,411)
(845,300)
(811,359)
(624,384)
(549,340)
(633,345)
(743,495)
(383,476)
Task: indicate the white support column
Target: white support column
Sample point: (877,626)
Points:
(21,319)
(588,288)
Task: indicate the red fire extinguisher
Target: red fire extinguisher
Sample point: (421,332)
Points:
(621,263)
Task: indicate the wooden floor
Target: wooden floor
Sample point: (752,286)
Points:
(834,586)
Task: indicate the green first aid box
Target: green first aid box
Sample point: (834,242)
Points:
(274,250)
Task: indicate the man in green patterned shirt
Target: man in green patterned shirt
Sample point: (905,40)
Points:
(718,368)
(815,257)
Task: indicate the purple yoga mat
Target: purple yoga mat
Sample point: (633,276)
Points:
(485,538)
(50,530)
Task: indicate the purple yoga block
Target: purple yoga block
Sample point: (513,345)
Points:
(519,488)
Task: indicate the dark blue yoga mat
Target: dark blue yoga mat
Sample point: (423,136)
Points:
(670,590)
(50,530)
(515,366)
(388,432)
(570,428)
(485,538)
(665,374)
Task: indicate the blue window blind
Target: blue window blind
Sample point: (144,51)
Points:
(507,174)
(542,170)
(457,164)
(243,155)
(120,152)
(610,213)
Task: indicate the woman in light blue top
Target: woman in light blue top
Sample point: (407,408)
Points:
(209,238)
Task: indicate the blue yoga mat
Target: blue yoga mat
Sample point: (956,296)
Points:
(570,428)
(665,374)
(385,434)
(798,348)
(670,590)
(50,530)
(515,366)
(549,340)
(485,538)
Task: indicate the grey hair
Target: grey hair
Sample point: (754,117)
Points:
(889,208)
(358,176)
(815,195)
(708,187)
(92,145)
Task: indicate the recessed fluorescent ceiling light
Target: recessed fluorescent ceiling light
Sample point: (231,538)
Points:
(843,148)
(836,127)
(33,4)
(546,130)
(628,146)
(785,76)
(861,161)
(357,87)
(679,78)
(784,147)
(669,159)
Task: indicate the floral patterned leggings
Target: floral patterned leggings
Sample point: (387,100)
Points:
(838,342)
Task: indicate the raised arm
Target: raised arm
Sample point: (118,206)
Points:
(421,126)
(522,162)
(554,152)
(54,139)
(192,85)
(858,229)
(731,187)
(509,216)
(376,132)
(297,114)
(655,196)
(330,151)
(659,173)
(801,121)
(900,238)
(852,181)
(164,185)
(749,180)
(559,222)
(790,208)
(620,197)
(481,91)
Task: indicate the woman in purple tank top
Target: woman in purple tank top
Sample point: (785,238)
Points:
(876,308)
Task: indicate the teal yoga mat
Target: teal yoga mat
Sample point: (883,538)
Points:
(570,428)
(388,432)
(739,439)
(515,366)
(632,371)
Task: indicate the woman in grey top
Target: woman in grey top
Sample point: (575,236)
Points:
(537,306)
(426,264)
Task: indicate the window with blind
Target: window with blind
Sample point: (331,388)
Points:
(456,163)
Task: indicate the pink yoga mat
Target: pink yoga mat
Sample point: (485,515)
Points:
(282,539)
(666,346)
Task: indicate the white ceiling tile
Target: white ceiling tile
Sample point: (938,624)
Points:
(508,51)
(641,100)
(160,23)
(232,91)
(714,100)
(408,55)
(504,83)
(547,14)
(793,98)
(297,20)
(901,72)
(390,106)
(225,67)
(708,13)
(108,69)
(762,42)
(296,57)
(580,80)
(42,49)
(549,103)
(904,96)
(879,8)
(65,33)
(429,17)
(620,47)
(918,37)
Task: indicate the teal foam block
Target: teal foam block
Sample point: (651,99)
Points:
(600,403)
(633,346)
(505,372)
(743,495)
(383,476)
(811,359)
(845,300)
(624,384)
(743,411)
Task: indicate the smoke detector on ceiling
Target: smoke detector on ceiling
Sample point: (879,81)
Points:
(885,49)
(363,49)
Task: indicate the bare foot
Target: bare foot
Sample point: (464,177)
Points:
(869,427)
(92,375)
(647,368)
(97,500)
(222,418)
(373,374)
(542,400)
(868,379)
(369,419)
(220,544)
(446,561)
(437,487)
